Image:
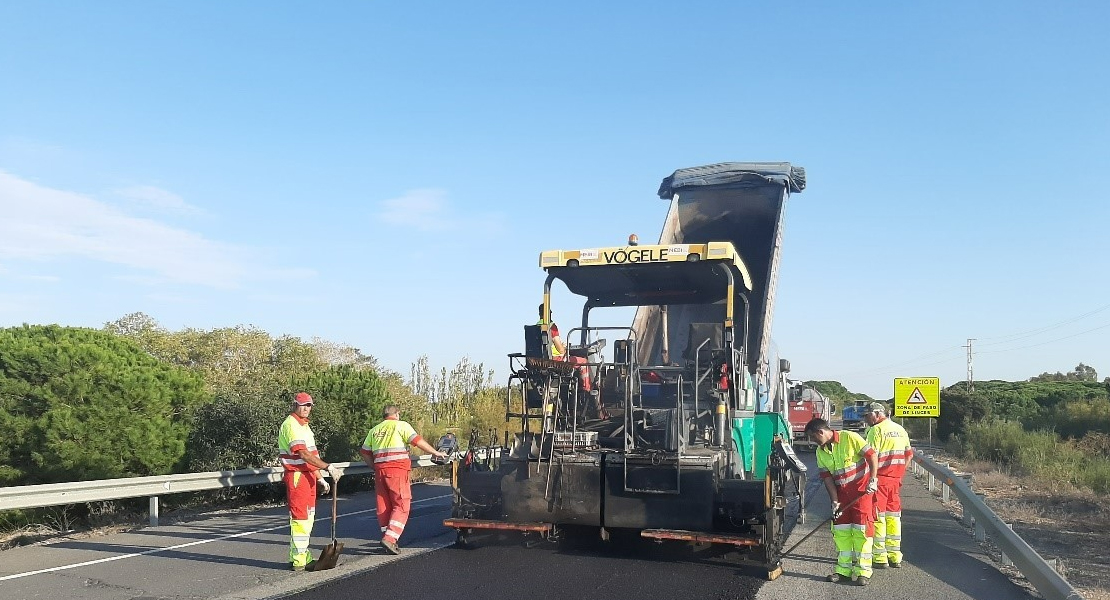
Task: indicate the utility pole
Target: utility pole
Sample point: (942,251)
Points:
(970,368)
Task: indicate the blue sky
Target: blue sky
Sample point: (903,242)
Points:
(385,176)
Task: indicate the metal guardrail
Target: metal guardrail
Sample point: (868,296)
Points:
(986,525)
(977,514)
(54,494)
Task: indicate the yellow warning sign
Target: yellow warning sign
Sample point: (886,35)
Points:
(917,397)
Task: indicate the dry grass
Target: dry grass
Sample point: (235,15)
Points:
(38,534)
(26,535)
(1094,593)
(1057,519)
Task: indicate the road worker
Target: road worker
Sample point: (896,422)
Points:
(849,469)
(892,444)
(304,474)
(559,352)
(386,451)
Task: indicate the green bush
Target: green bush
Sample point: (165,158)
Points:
(1078,417)
(1038,454)
(959,410)
(235,433)
(79,404)
(349,401)
(1096,475)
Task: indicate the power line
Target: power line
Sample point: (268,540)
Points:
(1004,339)
(1048,342)
(1013,337)
(906,362)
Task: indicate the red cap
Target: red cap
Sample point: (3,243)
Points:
(302,399)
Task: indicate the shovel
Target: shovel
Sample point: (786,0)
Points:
(819,526)
(330,555)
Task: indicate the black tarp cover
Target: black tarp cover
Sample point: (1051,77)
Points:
(736,173)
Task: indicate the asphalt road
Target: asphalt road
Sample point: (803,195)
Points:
(243,556)
(942,563)
(585,570)
(232,555)
(942,560)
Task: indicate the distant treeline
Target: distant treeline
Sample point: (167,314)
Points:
(838,394)
(1055,426)
(135,399)
(1071,408)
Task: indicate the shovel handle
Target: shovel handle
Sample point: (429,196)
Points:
(819,526)
(334,504)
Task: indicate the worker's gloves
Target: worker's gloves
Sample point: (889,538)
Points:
(836,509)
(335,472)
(325,487)
(872,486)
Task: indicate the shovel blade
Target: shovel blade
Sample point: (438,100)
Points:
(330,556)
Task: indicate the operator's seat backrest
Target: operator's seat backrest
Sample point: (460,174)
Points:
(533,342)
(699,332)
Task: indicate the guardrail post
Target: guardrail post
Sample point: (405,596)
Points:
(932,482)
(153,511)
(1059,567)
(966,518)
(980,530)
(945,491)
(1006,562)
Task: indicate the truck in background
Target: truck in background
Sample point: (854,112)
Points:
(805,403)
(853,417)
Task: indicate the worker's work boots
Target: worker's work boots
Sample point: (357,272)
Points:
(863,580)
(311,566)
(391,546)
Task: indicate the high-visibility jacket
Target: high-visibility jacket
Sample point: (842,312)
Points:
(387,443)
(892,443)
(296,435)
(552,333)
(843,460)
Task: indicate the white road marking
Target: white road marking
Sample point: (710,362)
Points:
(186,545)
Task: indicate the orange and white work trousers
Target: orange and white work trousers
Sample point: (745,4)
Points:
(300,490)
(394,494)
(888,524)
(583,370)
(853,534)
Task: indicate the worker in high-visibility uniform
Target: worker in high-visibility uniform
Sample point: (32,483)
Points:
(304,474)
(559,352)
(892,444)
(386,451)
(849,469)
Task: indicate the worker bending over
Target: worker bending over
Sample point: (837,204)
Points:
(849,469)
